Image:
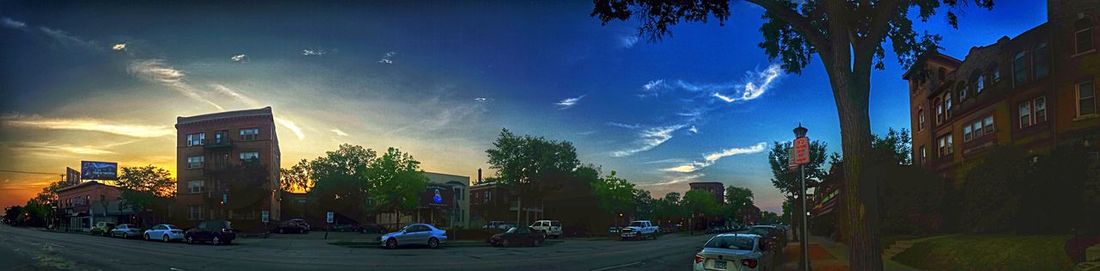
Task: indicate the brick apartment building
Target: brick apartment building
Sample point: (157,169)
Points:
(83,204)
(1035,91)
(714,188)
(227,167)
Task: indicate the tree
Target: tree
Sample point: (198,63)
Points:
(700,202)
(643,204)
(341,185)
(668,208)
(12,215)
(296,178)
(142,186)
(787,180)
(615,195)
(896,147)
(522,162)
(767,217)
(738,199)
(395,182)
(991,190)
(848,37)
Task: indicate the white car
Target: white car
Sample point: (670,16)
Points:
(639,229)
(163,232)
(736,251)
(551,228)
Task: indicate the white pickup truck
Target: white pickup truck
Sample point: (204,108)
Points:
(640,229)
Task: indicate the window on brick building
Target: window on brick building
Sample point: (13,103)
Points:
(250,156)
(1025,114)
(1033,112)
(195,186)
(1086,99)
(194,212)
(920,119)
(1019,68)
(945,146)
(249,134)
(939,111)
(977,82)
(994,73)
(196,139)
(923,155)
(1082,35)
(194,161)
(1042,61)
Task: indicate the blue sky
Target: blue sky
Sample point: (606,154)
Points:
(436,79)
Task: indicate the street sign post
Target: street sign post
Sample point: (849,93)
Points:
(328,219)
(800,156)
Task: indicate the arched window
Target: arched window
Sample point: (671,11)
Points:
(1082,34)
(994,74)
(977,81)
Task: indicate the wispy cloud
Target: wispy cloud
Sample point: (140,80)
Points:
(693,130)
(624,125)
(239,58)
(569,102)
(157,71)
(628,41)
(292,126)
(13,24)
(236,95)
(677,179)
(649,139)
(756,83)
(66,39)
(481,99)
(711,158)
(666,161)
(388,58)
(125,129)
(339,132)
(651,85)
(313,52)
(119,47)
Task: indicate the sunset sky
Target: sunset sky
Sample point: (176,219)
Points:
(106,81)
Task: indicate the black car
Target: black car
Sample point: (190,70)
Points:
(517,236)
(294,225)
(218,232)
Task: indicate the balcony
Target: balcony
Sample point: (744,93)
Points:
(218,144)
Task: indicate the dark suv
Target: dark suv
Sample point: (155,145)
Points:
(297,225)
(217,232)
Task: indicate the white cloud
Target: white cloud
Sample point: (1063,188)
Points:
(624,125)
(649,139)
(155,70)
(711,158)
(9,23)
(388,58)
(66,39)
(628,41)
(239,58)
(756,83)
(481,99)
(50,149)
(290,125)
(236,95)
(693,130)
(651,85)
(569,102)
(119,47)
(339,132)
(125,129)
(312,52)
(666,161)
(677,179)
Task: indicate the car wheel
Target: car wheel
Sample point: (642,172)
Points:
(433,243)
(164,238)
(216,241)
(146,237)
(187,239)
(391,243)
(504,243)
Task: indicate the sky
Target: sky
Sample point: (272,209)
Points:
(440,79)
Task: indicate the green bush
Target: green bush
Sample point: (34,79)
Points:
(992,191)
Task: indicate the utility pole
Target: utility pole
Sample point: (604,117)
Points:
(799,157)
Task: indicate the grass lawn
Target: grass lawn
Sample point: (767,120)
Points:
(989,252)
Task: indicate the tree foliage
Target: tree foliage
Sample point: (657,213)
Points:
(297,178)
(787,180)
(615,195)
(144,185)
(341,182)
(700,202)
(395,181)
(521,161)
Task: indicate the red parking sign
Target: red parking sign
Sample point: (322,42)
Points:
(800,153)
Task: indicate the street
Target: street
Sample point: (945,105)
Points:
(32,249)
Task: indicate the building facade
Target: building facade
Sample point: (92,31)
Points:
(1035,91)
(227,167)
(456,211)
(83,204)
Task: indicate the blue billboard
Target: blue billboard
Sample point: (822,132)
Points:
(92,170)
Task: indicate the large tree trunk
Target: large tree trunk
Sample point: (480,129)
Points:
(851,90)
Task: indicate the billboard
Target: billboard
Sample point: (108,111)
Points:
(437,195)
(72,176)
(91,170)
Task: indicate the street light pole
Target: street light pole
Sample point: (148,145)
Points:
(805,262)
(800,156)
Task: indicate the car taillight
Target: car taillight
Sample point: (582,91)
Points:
(698,258)
(751,263)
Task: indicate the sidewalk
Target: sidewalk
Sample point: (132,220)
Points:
(826,255)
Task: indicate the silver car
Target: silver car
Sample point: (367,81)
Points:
(414,234)
(735,251)
(126,231)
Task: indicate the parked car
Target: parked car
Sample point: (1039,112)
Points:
(163,232)
(777,237)
(218,232)
(415,234)
(102,228)
(373,228)
(500,225)
(126,231)
(639,229)
(736,251)
(296,225)
(550,228)
(518,236)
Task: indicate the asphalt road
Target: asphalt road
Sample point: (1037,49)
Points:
(32,249)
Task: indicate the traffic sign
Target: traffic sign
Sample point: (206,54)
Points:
(328,217)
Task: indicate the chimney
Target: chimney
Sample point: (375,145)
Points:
(479,175)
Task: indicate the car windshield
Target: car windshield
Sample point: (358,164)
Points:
(731,242)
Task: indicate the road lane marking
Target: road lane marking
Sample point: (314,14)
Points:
(617,266)
(175,269)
